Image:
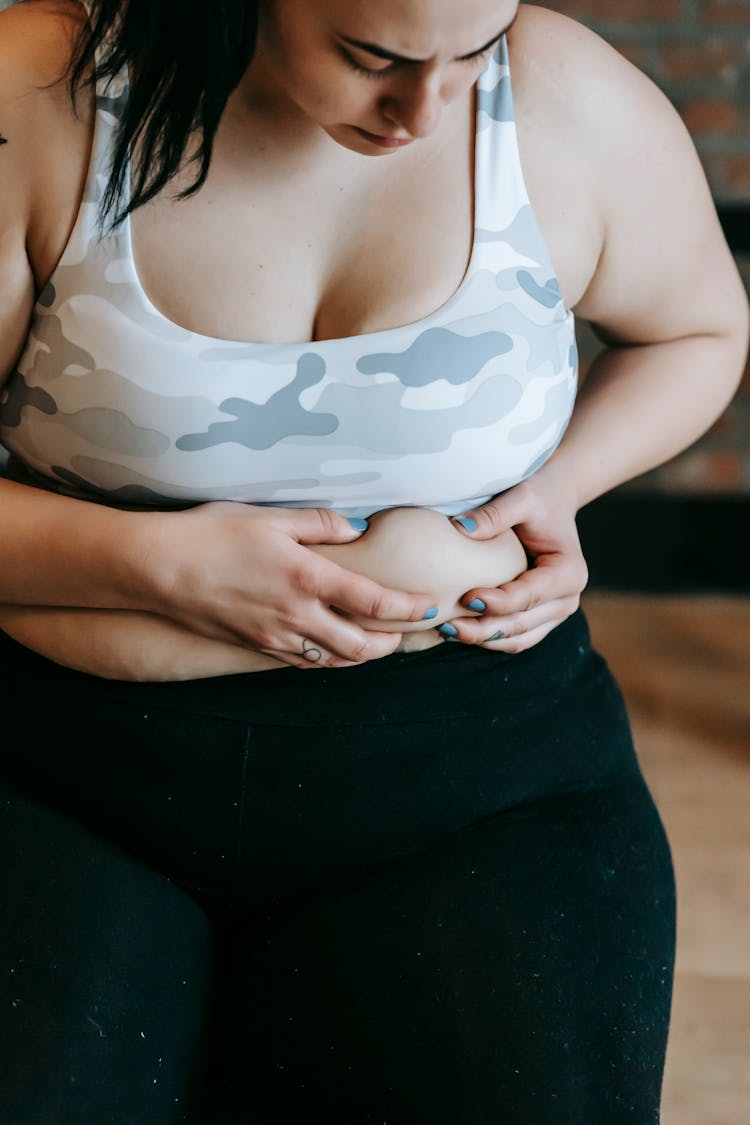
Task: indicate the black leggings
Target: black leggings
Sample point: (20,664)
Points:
(428,890)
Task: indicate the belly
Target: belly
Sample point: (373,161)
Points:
(421,551)
(412,549)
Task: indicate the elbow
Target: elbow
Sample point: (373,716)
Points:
(740,338)
(733,335)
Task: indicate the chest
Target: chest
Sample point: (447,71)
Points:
(302,249)
(286,254)
(319,249)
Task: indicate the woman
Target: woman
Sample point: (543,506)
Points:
(285,270)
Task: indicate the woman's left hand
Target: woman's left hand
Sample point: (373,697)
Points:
(520,613)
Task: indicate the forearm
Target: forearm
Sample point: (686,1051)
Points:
(408,547)
(641,405)
(125,644)
(55,550)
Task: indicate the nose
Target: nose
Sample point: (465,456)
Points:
(417,106)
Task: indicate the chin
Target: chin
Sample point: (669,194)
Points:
(349,137)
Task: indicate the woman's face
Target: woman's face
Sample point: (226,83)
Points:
(372,75)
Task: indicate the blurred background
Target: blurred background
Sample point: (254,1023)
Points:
(674,619)
(698,53)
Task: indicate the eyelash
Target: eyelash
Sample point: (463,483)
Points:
(352,62)
(386,70)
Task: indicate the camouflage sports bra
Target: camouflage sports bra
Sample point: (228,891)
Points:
(112,401)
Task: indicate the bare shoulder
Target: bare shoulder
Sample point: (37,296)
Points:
(36,42)
(557,68)
(47,144)
(664,268)
(36,39)
(577,81)
(44,149)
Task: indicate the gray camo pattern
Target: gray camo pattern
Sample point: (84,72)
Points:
(112,401)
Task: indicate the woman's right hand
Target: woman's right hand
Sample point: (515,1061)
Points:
(245,574)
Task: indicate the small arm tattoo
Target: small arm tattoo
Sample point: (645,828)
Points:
(3,140)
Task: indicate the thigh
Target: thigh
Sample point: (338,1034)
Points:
(105,969)
(517,971)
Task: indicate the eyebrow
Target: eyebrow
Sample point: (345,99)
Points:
(391,56)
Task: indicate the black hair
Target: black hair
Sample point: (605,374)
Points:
(184,58)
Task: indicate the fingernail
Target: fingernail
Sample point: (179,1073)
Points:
(358,525)
(447,630)
(431,612)
(476,603)
(466,521)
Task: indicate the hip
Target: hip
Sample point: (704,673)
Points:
(335,771)
(437,681)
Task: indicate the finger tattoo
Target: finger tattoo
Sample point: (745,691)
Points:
(309,652)
(498,636)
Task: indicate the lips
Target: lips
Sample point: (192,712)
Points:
(384,142)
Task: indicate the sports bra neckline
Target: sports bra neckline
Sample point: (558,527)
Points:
(111,399)
(301,346)
(408,326)
(124,236)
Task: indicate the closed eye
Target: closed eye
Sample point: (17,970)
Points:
(382,72)
(481,53)
(367,71)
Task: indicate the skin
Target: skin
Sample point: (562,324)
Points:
(623,164)
(312,60)
(399,544)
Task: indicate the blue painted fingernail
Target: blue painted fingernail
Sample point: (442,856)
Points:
(447,630)
(358,525)
(466,521)
(476,603)
(431,612)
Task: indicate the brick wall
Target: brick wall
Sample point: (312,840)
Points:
(698,53)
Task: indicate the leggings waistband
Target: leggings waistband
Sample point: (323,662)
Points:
(453,680)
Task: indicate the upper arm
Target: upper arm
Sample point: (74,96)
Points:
(34,47)
(665,270)
(16,276)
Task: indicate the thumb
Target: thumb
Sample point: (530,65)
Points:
(490,519)
(323,525)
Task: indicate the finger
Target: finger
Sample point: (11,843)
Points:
(362,597)
(326,639)
(322,525)
(308,653)
(307,656)
(347,641)
(498,515)
(553,577)
(523,642)
(506,629)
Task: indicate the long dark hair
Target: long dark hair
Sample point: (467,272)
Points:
(184,57)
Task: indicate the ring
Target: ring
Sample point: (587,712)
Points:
(309,652)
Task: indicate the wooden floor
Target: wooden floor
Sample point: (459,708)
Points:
(684,666)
